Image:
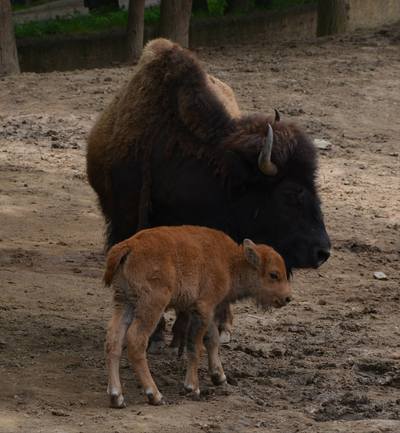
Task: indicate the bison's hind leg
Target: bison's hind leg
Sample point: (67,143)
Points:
(127,202)
(157,339)
(179,331)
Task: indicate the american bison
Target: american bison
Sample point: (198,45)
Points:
(191,269)
(173,148)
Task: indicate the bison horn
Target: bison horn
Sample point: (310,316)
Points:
(277,116)
(264,159)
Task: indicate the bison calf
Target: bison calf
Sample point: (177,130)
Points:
(190,269)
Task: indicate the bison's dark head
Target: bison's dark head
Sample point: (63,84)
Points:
(268,192)
(273,194)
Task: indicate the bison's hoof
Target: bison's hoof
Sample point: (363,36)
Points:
(225,337)
(117,401)
(218,378)
(156,347)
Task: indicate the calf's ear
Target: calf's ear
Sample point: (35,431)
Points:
(251,254)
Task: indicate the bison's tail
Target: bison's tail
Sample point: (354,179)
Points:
(114,258)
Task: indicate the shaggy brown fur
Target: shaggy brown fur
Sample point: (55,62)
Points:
(160,86)
(191,269)
(172,101)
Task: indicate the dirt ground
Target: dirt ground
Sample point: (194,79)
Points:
(329,362)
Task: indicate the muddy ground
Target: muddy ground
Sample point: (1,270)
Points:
(329,362)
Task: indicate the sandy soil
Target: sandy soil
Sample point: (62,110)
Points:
(329,362)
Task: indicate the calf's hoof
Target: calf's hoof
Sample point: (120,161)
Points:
(155,399)
(192,392)
(224,337)
(117,401)
(218,378)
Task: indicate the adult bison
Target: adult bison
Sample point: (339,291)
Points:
(173,148)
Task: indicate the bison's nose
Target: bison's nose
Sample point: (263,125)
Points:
(287,299)
(322,256)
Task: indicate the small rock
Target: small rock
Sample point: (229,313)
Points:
(321,302)
(323,144)
(59,412)
(276,352)
(380,276)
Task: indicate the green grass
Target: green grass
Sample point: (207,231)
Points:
(97,22)
(82,23)
(73,24)
(216,8)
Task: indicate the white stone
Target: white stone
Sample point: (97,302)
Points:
(380,276)
(323,144)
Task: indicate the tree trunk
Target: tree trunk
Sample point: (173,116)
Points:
(8,49)
(332,16)
(200,6)
(135,29)
(239,6)
(175,20)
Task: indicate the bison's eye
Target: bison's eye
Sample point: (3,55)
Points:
(273,275)
(295,197)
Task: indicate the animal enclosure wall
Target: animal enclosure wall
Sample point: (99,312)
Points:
(64,53)
(373,13)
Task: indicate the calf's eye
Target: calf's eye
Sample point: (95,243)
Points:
(273,275)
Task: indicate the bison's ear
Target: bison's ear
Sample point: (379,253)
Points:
(251,253)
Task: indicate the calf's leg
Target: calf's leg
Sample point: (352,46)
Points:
(145,321)
(117,327)
(212,341)
(225,323)
(199,321)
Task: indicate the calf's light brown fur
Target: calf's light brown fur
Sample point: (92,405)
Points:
(191,269)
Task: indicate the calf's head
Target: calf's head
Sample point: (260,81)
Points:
(267,277)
